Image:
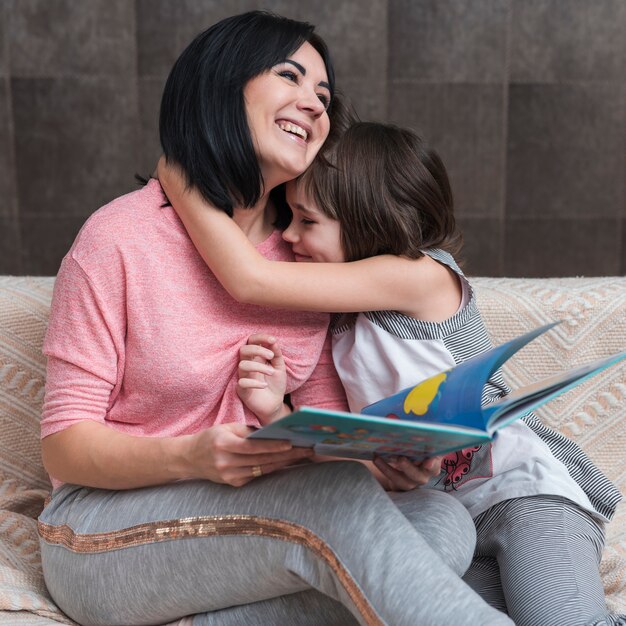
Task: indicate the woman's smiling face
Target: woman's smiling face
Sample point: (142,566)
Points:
(286,110)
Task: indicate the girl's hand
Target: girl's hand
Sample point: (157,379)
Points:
(222,454)
(262,378)
(403,474)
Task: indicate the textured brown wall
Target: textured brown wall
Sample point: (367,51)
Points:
(525,100)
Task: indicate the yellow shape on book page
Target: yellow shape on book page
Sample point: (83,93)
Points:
(421,396)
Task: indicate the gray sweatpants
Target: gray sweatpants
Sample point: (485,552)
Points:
(537,558)
(318,544)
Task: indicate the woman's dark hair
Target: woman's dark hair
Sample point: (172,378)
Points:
(203,124)
(388,189)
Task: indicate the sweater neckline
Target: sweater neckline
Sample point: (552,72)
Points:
(154,188)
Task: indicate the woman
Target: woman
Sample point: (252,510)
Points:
(159,508)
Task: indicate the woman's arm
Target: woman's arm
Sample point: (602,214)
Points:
(94,455)
(85,350)
(79,447)
(378,283)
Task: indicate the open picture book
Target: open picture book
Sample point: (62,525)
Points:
(438,415)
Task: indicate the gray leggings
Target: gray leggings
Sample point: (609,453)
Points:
(319,544)
(537,558)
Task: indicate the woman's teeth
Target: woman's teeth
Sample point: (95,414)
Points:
(293,129)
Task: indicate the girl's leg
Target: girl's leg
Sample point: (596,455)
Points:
(548,551)
(483,576)
(151,555)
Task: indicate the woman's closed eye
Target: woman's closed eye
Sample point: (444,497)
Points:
(294,77)
(289,75)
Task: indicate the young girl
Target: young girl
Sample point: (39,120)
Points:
(375,217)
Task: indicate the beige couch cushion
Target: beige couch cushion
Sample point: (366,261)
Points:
(594,414)
(24,305)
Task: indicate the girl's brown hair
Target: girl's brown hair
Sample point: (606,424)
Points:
(388,189)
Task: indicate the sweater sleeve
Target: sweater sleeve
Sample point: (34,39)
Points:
(85,348)
(323,389)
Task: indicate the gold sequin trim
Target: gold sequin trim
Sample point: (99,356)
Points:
(210,526)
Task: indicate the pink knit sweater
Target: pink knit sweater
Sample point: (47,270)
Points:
(143,338)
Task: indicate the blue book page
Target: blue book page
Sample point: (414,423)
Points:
(349,435)
(453,397)
(521,401)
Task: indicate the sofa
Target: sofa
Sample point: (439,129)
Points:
(593,311)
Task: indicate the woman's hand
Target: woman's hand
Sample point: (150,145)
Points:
(262,378)
(95,455)
(402,474)
(222,454)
